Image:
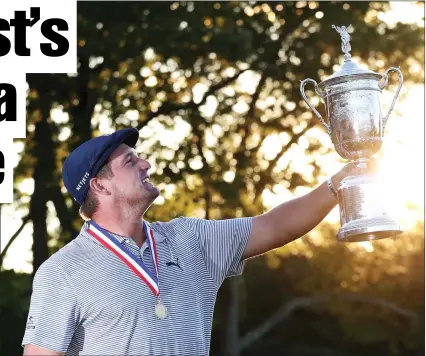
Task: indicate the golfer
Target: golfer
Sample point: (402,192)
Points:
(126,286)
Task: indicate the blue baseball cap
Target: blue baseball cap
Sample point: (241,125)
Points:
(87,159)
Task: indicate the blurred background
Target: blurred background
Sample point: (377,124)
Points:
(214,89)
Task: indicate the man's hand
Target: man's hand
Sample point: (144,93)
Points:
(353,169)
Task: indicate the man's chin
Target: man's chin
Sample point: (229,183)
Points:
(156,195)
(150,196)
(158,191)
(148,201)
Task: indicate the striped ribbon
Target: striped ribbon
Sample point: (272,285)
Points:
(112,244)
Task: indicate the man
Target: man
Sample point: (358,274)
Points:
(128,287)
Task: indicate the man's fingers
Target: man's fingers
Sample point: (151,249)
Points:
(363,167)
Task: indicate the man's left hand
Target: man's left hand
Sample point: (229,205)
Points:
(353,169)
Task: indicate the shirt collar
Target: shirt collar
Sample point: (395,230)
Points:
(158,237)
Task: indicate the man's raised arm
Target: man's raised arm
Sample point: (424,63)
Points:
(294,218)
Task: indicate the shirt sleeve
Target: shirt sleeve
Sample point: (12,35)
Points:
(222,244)
(53,314)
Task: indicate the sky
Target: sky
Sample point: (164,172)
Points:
(401,166)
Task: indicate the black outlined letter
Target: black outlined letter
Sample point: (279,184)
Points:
(7,102)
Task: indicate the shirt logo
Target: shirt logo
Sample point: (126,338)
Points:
(171,263)
(30,323)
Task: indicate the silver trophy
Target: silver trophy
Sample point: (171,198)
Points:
(356,127)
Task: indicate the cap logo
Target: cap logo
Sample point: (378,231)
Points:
(82,181)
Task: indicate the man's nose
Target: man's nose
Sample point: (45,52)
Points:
(143,164)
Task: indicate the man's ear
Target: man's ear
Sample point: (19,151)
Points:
(97,185)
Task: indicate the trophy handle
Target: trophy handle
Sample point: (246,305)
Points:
(382,85)
(302,91)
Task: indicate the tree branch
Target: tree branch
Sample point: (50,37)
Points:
(266,174)
(167,108)
(251,116)
(13,238)
(293,139)
(288,308)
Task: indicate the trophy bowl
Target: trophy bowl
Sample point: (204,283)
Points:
(356,127)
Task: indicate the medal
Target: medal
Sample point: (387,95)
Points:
(160,310)
(149,278)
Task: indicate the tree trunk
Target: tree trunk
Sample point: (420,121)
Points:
(232,330)
(81,114)
(64,215)
(44,151)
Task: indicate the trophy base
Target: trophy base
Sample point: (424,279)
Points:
(368,230)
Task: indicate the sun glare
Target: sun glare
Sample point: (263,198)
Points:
(401,167)
(401,161)
(404,12)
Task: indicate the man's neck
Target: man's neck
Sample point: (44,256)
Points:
(131,228)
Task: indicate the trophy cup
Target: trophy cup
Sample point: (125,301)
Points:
(356,127)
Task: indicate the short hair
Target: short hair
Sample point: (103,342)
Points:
(91,202)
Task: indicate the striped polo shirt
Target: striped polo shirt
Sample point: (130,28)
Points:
(86,301)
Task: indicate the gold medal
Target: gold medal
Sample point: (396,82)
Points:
(160,310)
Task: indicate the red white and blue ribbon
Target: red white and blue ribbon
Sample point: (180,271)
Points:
(112,244)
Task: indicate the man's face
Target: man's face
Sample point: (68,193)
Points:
(130,184)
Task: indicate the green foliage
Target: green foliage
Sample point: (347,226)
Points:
(14,304)
(376,303)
